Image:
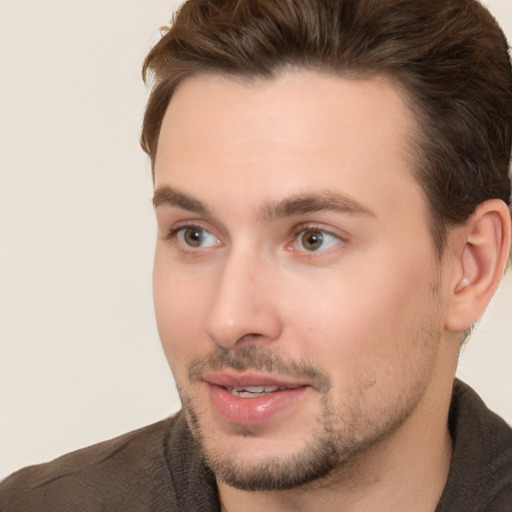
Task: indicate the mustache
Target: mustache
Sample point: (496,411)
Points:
(260,359)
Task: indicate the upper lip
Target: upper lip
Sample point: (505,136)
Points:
(228,379)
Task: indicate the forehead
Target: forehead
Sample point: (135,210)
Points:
(236,139)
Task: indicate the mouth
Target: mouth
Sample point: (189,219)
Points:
(253,391)
(252,399)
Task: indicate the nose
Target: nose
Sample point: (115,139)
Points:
(244,308)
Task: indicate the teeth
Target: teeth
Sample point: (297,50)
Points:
(253,391)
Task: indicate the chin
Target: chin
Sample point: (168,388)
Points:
(264,459)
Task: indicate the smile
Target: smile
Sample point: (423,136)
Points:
(253,391)
(254,405)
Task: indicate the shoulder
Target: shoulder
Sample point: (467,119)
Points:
(111,472)
(480,477)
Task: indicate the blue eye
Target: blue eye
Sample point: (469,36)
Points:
(196,237)
(314,240)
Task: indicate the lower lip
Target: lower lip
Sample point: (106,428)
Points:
(252,411)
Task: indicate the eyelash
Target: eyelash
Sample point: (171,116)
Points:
(174,232)
(296,232)
(302,228)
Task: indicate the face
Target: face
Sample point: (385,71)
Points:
(295,281)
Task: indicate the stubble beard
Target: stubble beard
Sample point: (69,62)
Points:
(317,459)
(336,438)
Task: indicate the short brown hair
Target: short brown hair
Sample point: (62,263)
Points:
(450,56)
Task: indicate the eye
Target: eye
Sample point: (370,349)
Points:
(196,237)
(315,240)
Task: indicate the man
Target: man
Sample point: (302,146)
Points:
(332,197)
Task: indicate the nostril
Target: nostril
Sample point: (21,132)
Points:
(244,339)
(249,338)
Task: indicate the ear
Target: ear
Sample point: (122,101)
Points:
(482,248)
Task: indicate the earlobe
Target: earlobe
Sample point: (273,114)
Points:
(485,243)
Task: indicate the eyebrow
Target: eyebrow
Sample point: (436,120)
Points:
(317,201)
(323,200)
(167,196)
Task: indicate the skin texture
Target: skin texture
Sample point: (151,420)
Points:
(358,319)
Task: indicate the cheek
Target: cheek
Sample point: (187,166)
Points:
(180,309)
(368,322)
(376,347)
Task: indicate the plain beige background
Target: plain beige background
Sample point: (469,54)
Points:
(80,359)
